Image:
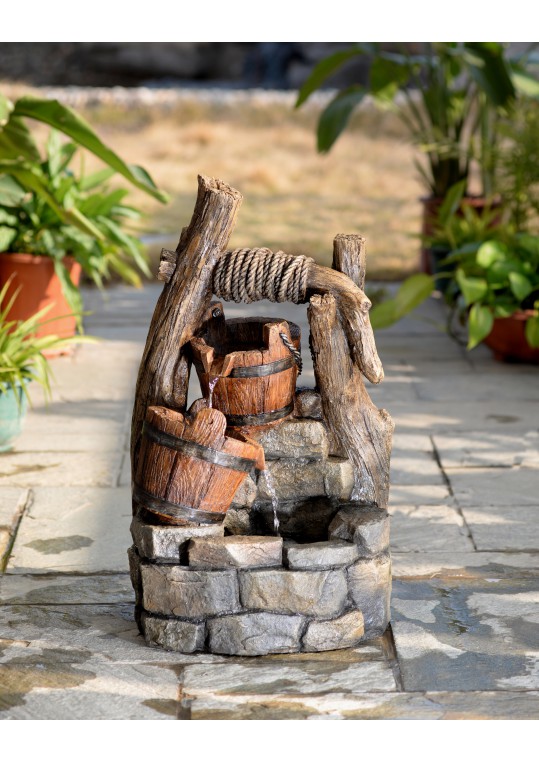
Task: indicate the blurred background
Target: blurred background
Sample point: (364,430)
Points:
(227,110)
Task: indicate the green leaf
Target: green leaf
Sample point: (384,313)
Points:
(451,202)
(7,236)
(325,69)
(520,285)
(473,288)
(61,117)
(524,82)
(91,181)
(11,193)
(413,291)
(488,67)
(6,107)
(531,331)
(16,141)
(480,322)
(491,251)
(335,116)
(386,77)
(69,290)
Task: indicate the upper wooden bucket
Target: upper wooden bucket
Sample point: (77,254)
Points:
(189,470)
(253,370)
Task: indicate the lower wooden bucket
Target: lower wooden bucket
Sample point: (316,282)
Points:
(249,367)
(189,470)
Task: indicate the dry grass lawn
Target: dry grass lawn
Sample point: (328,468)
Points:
(294,198)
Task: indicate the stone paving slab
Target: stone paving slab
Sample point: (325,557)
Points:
(48,681)
(374,705)
(65,589)
(457,386)
(415,468)
(307,678)
(74,529)
(33,469)
(428,528)
(467,634)
(488,449)
(506,528)
(495,486)
(464,415)
(419,494)
(471,565)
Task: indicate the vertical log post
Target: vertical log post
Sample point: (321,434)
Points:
(364,431)
(164,369)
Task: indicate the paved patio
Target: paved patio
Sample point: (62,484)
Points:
(464,499)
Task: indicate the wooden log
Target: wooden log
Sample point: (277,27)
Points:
(253,371)
(188,470)
(164,369)
(364,431)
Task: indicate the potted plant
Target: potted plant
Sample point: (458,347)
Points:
(22,361)
(448,97)
(55,223)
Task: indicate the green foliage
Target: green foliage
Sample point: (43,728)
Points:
(498,279)
(413,291)
(21,357)
(47,209)
(448,97)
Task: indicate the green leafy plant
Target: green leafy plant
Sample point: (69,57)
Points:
(47,209)
(498,278)
(447,96)
(21,352)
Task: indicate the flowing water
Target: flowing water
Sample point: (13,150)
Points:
(211,385)
(274,500)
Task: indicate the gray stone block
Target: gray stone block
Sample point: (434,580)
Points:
(320,554)
(314,593)
(181,636)
(293,479)
(294,437)
(338,478)
(308,404)
(246,493)
(306,520)
(255,634)
(366,525)
(178,591)
(235,552)
(238,521)
(166,543)
(345,631)
(134,572)
(370,589)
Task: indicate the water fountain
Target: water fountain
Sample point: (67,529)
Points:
(260,518)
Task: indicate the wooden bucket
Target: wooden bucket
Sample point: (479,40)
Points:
(253,370)
(189,470)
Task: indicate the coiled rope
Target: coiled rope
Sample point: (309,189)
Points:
(250,274)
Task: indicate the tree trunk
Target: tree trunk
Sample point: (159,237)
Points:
(164,369)
(364,431)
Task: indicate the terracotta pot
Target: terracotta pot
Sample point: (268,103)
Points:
(40,287)
(508,340)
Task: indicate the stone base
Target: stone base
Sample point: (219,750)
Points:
(255,595)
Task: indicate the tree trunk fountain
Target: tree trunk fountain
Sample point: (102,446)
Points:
(260,518)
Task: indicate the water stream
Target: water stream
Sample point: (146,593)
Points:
(212,382)
(270,485)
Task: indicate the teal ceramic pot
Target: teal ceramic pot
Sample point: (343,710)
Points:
(12,414)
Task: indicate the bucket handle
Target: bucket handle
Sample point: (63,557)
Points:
(293,351)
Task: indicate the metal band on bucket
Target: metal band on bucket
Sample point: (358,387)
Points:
(255,371)
(261,418)
(198,451)
(162,507)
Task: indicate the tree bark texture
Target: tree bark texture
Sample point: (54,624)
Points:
(364,431)
(164,370)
